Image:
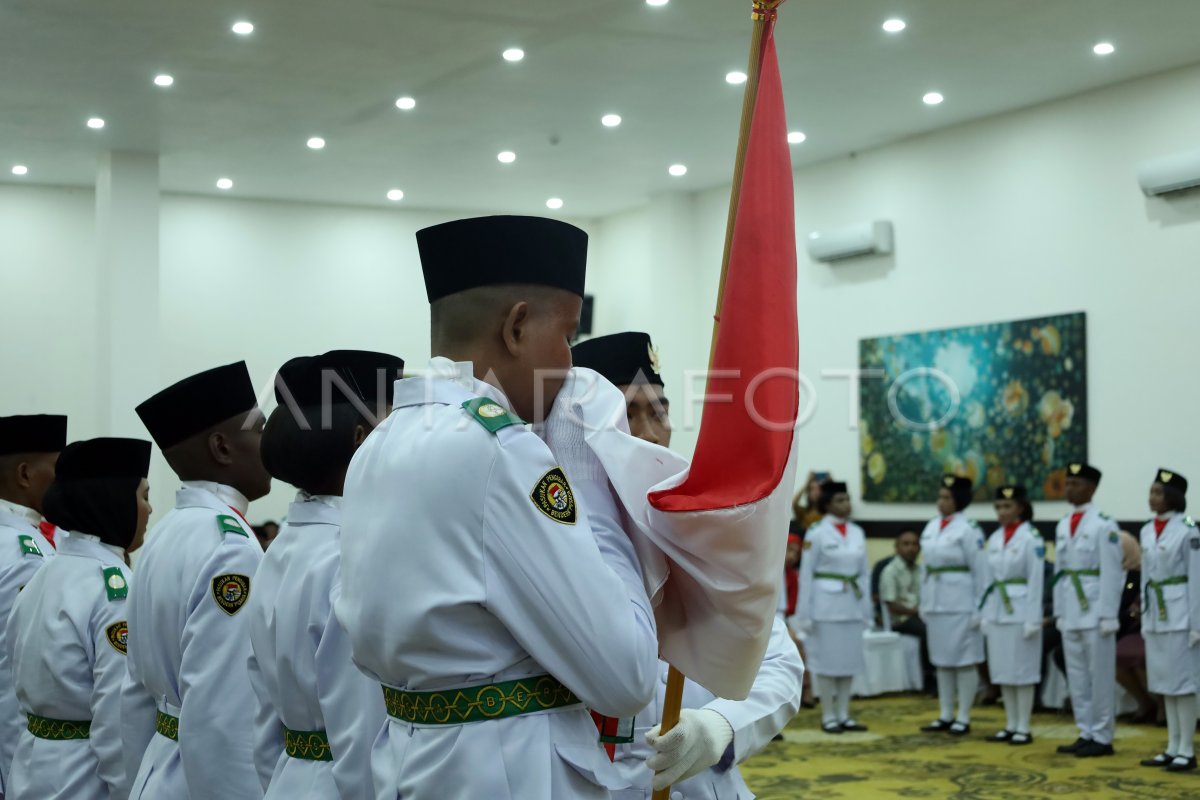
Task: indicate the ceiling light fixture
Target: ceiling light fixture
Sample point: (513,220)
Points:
(677,170)
(95,123)
(657,2)
(224,184)
(406,103)
(796,137)
(610,120)
(163,80)
(554,203)
(894,25)
(1104,49)
(20,169)
(932,98)
(243,28)
(513,54)
(735,78)
(506,157)
(395,195)
(315,143)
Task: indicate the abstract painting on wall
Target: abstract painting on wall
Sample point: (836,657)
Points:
(999,403)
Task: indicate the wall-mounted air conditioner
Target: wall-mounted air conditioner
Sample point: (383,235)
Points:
(1172,173)
(849,241)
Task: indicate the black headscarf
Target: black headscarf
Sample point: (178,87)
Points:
(95,488)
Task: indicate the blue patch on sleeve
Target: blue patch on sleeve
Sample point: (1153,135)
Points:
(1114,538)
(1041,551)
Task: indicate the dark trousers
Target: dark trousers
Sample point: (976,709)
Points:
(915,626)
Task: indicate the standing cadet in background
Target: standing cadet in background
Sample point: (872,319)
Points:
(486,580)
(951,587)
(1012,610)
(188,643)
(67,633)
(1088,582)
(1171,615)
(629,361)
(835,608)
(29,446)
(318,715)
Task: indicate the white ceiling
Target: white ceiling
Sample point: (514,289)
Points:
(243,107)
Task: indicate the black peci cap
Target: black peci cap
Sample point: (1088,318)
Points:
(490,251)
(622,358)
(1078,469)
(1170,478)
(339,376)
(830,488)
(960,488)
(1012,492)
(197,403)
(103,458)
(32,433)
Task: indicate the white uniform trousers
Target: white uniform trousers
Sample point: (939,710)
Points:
(1092,680)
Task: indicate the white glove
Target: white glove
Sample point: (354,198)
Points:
(1058,623)
(976,621)
(696,743)
(1193,638)
(563,431)
(1109,626)
(1032,629)
(983,626)
(803,626)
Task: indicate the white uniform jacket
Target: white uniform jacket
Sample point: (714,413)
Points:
(1014,571)
(952,579)
(188,646)
(23,550)
(300,666)
(67,640)
(835,577)
(469,559)
(1088,578)
(774,700)
(1171,577)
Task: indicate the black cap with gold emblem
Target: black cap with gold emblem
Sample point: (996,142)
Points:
(1077,469)
(1171,478)
(960,488)
(490,251)
(622,358)
(1012,492)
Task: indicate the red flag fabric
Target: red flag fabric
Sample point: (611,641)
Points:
(746,429)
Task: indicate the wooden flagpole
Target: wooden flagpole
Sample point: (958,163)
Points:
(763,13)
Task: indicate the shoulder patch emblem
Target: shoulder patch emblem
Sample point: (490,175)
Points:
(491,416)
(1194,543)
(115,584)
(1191,523)
(1040,550)
(230,525)
(553,497)
(29,546)
(118,636)
(808,544)
(1114,537)
(231,592)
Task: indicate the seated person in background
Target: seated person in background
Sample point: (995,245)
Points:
(900,590)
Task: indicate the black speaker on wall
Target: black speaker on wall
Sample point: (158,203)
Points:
(585,316)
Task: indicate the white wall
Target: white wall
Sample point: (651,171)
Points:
(1020,215)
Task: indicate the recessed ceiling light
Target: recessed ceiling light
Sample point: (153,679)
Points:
(95,123)
(20,169)
(395,195)
(315,143)
(932,98)
(894,25)
(677,170)
(1104,49)
(163,80)
(796,137)
(735,77)
(554,203)
(224,183)
(506,157)
(610,120)
(243,28)
(513,54)
(406,103)
(657,2)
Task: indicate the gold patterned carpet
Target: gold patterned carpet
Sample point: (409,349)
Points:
(893,759)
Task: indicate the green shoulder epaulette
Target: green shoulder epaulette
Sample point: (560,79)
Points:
(1191,523)
(487,413)
(29,546)
(230,525)
(115,584)
(972,523)
(1105,516)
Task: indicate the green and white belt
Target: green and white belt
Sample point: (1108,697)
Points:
(1158,593)
(478,703)
(1001,586)
(1074,575)
(59,730)
(849,580)
(307,745)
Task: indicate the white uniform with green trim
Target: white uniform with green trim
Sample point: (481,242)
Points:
(1171,572)
(23,550)
(188,645)
(67,640)
(465,563)
(952,583)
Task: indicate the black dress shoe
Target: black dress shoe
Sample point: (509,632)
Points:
(1181,764)
(852,726)
(938,726)
(1094,750)
(1000,736)
(1074,746)
(1160,760)
(1019,739)
(959,729)
(832,727)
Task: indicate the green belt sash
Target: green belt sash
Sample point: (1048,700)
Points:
(478,703)
(849,580)
(167,726)
(1158,593)
(1074,575)
(308,745)
(942,570)
(1001,587)
(59,730)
